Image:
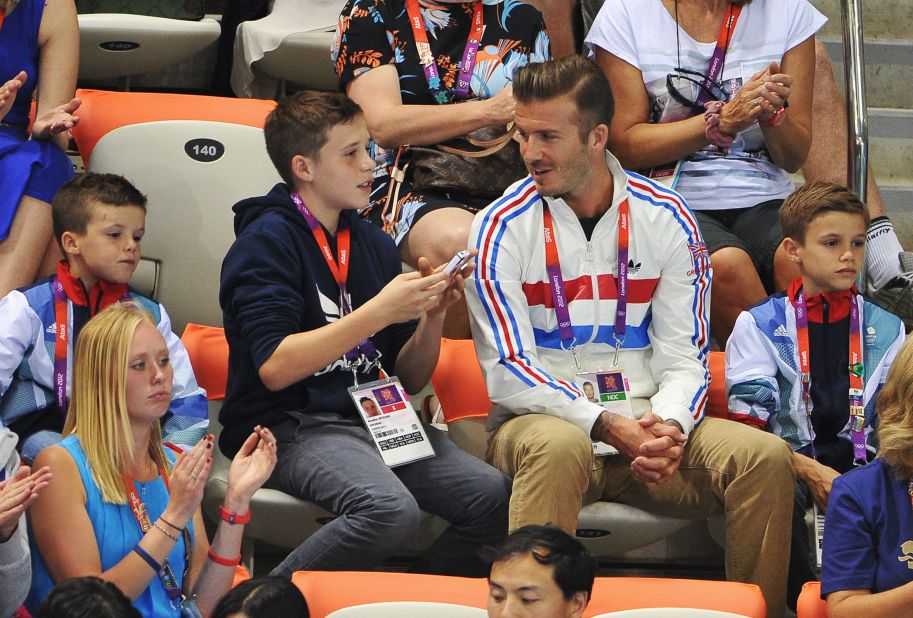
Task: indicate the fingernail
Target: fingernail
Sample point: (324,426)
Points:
(209,460)
(209,445)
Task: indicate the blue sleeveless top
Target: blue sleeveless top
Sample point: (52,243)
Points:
(116,533)
(36,169)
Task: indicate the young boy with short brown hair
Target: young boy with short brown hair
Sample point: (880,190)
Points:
(99,222)
(807,364)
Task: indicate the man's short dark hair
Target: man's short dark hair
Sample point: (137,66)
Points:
(71,208)
(263,597)
(574,566)
(86,597)
(575,76)
(300,125)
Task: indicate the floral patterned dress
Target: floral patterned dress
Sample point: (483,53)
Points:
(373,33)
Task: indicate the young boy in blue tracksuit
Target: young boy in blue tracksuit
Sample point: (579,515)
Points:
(807,364)
(99,221)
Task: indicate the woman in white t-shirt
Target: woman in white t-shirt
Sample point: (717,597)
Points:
(735,133)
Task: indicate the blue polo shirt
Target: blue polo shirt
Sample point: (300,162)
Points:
(868,532)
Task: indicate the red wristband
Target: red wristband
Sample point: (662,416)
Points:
(230,562)
(776,120)
(233,518)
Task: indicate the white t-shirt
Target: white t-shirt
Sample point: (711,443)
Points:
(642,33)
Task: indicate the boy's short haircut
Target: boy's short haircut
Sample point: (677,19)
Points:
(300,125)
(574,567)
(809,201)
(71,209)
(575,76)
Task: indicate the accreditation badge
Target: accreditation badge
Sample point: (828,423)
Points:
(609,389)
(392,422)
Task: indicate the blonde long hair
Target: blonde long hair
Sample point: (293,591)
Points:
(97,412)
(895,414)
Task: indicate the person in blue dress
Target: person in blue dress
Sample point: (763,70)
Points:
(867,561)
(38,38)
(121,506)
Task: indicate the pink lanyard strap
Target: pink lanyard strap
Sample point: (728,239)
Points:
(556,280)
(426,57)
(856,371)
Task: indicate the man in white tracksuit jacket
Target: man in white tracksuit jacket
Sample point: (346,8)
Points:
(535,330)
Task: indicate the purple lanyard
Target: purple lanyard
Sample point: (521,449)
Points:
(856,373)
(718,58)
(340,270)
(426,57)
(62,336)
(556,280)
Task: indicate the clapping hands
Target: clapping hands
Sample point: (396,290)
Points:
(253,465)
(57,121)
(16,493)
(8,93)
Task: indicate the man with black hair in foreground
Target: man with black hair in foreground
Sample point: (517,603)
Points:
(540,571)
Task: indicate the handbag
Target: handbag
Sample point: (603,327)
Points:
(480,164)
(477,167)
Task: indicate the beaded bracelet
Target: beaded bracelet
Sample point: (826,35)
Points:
(165,521)
(165,532)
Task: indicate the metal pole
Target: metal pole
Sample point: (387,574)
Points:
(857,113)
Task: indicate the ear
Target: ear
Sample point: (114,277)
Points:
(302,168)
(792,249)
(70,243)
(580,600)
(600,137)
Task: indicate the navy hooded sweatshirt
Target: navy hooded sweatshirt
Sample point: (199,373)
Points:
(275,282)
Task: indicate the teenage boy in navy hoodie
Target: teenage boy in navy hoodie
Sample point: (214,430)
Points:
(311,294)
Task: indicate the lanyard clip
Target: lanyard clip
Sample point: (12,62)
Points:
(619,341)
(572,348)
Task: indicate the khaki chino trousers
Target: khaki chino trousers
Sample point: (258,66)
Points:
(729,468)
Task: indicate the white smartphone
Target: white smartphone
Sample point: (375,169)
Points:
(458,262)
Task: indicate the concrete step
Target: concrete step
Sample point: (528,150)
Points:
(890,19)
(891,145)
(888,70)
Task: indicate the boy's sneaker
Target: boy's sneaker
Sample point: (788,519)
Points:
(897,295)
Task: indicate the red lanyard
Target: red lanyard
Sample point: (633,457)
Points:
(856,371)
(426,57)
(556,280)
(718,58)
(172,587)
(2,16)
(339,266)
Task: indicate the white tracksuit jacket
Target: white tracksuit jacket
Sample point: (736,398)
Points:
(666,347)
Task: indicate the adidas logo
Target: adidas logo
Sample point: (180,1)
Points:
(52,329)
(781,332)
(632,267)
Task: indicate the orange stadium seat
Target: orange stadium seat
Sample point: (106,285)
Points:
(194,157)
(330,591)
(810,604)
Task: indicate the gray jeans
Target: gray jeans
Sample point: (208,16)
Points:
(331,461)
